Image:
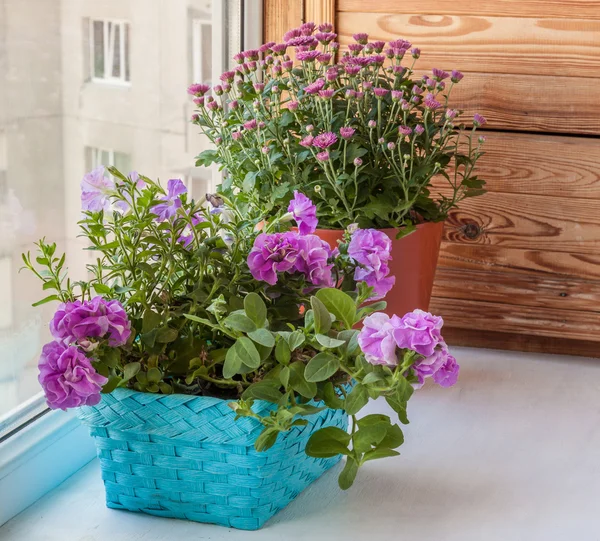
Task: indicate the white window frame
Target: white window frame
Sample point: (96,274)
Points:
(197,62)
(108,51)
(96,154)
(39,453)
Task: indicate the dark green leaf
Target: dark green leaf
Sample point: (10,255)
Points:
(102,289)
(307,389)
(321,316)
(284,376)
(328,342)
(50,298)
(247,351)
(154,375)
(346,478)
(381,452)
(321,367)
(239,322)
(232,364)
(339,304)
(330,397)
(255,309)
(282,351)
(356,400)
(165,335)
(111,385)
(150,321)
(328,442)
(263,390)
(263,337)
(131,370)
(266,439)
(295,340)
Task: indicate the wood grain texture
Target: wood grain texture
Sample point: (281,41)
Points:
(518,289)
(513,45)
(320,11)
(527,222)
(540,165)
(571,9)
(561,265)
(520,342)
(531,103)
(485,316)
(279,16)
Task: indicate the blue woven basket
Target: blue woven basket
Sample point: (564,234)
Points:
(186,457)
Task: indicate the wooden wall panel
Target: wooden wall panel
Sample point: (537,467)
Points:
(567,47)
(572,9)
(541,165)
(279,16)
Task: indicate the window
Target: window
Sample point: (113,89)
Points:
(202,50)
(109,51)
(109,158)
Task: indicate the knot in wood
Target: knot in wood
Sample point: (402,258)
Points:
(471,231)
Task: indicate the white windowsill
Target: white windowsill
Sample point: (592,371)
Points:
(510,453)
(116,83)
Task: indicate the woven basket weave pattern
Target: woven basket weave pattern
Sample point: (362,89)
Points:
(186,457)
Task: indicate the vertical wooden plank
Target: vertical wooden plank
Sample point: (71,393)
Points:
(319,11)
(280,16)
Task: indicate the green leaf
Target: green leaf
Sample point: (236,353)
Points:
(339,304)
(346,478)
(111,357)
(49,298)
(321,316)
(263,390)
(255,309)
(330,397)
(328,442)
(166,335)
(154,375)
(372,377)
(239,322)
(307,389)
(328,342)
(111,384)
(131,370)
(263,337)
(321,367)
(248,352)
(102,289)
(282,352)
(150,321)
(284,376)
(266,439)
(370,308)
(393,438)
(206,158)
(381,452)
(399,407)
(368,436)
(356,400)
(351,338)
(404,389)
(295,340)
(232,364)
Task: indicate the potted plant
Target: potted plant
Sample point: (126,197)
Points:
(214,359)
(363,137)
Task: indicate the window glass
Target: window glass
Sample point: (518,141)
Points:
(58,119)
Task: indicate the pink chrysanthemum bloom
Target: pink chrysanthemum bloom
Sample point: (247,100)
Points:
(314,88)
(325,27)
(431,103)
(347,132)
(323,156)
(380,92)
(456,76)
(397,95)
(250,125)
(355,48)
(325,140)
(307,141)
(327,93)
(325,37)
(479,120)
(404,130)
(419,129)
(198,89)
(439,74)
(361,38)
(308,56)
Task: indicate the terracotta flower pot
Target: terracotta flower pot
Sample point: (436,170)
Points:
(414,259)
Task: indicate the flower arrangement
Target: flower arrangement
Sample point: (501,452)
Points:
(363,137)
(200,298)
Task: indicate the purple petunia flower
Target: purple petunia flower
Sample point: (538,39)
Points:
(78,321)
(68,378)
(325,140)
(172,202)
(426,367)
(313,88)
(447,375)
(96,190)
(479,120)
(187,235)
(420,332)
(347,132)
(305,213)
(314,255)
(272,254)
(371,249)
(376,339)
